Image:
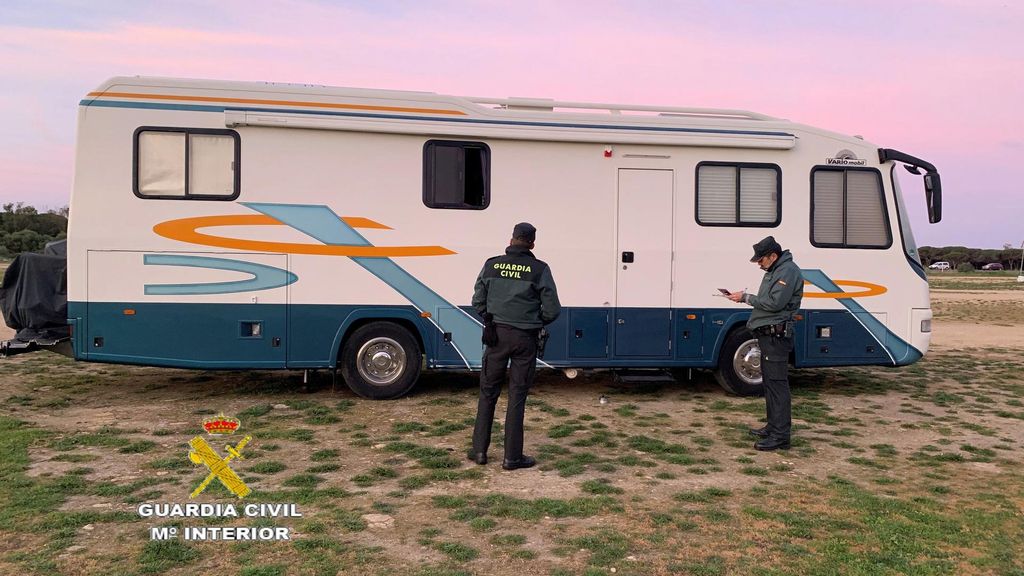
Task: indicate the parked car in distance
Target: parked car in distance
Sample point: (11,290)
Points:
(939,266)
(992,266)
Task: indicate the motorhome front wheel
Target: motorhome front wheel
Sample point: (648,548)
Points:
(380,360)
(739,364)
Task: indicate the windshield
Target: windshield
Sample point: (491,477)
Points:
(909,245)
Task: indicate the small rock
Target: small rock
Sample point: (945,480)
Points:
(75,548)
(102,505)
(282,407)
(378,446)
(44,388)
(612,570)
(378,521)
(88,527)
(631,558)
(162,473)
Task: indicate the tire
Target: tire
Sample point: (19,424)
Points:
(380,360)
(739,364)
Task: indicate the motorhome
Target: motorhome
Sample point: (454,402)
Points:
(234,225)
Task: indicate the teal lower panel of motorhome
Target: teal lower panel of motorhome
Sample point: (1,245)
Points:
(181,335)
(241,336)
(229,336)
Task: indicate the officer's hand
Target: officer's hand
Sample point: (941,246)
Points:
(736,296)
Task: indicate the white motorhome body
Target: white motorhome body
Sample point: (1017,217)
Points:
(259,225)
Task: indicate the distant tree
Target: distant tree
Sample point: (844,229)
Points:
(1010,256)
(955,255)
(964,267)
(64,211)
(24,229)
(24,241)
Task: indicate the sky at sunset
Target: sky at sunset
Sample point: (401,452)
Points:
(942,80)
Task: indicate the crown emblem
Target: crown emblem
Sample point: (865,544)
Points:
(221,424)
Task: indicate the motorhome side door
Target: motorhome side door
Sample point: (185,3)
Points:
(642,323)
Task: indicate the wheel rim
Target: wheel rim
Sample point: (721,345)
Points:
(746,363)
(381,361)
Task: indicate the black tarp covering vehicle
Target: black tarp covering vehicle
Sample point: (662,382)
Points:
(34,301)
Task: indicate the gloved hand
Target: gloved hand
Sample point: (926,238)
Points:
(490,334)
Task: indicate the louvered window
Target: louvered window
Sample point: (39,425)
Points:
(848,209)
(738,194)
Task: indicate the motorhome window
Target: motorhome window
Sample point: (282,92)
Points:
(730,194)
(456,175)
(848,209)
(909,244)
(161,169)
(180,163)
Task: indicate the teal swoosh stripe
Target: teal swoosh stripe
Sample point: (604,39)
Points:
(263,277)
(899,350)
(321,223)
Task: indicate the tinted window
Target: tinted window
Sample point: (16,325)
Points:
(456,175)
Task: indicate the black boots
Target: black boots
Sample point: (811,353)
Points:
(769,444)
(521,462)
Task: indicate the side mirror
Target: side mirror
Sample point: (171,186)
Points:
(933,196)
(932,183)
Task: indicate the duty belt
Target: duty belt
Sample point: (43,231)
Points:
(777,330)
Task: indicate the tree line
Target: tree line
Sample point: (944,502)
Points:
(25,229)
(959,256)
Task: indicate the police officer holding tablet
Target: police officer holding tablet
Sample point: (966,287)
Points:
(771,321)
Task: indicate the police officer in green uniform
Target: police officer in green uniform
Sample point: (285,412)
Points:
(771,321)
(515,294)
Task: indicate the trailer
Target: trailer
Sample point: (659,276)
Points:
(234,225)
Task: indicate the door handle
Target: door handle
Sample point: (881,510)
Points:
(621,321)
(627,257)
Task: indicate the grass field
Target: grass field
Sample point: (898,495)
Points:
(915,470)
(975,281)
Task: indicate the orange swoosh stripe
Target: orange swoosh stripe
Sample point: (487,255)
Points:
(185,230)
(225,100)
(869,289)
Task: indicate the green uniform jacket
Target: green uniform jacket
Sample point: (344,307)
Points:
(517,289)
(780,293)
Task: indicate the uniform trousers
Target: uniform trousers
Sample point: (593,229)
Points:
(775,372)
(514,354)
